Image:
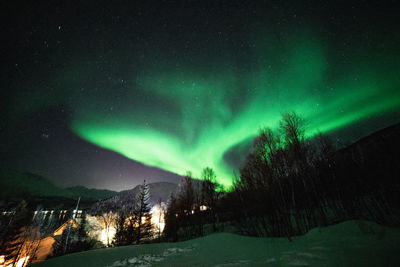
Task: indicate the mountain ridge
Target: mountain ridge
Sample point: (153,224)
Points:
(17,185)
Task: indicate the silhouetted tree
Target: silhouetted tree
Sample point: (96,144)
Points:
(209,194)
(142,212)
(293,129)
(186,194)
(121,230)
(277,181)
(83,241)
(171,219)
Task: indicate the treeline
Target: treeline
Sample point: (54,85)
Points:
(281,191)
(130,217)
(193,207)
(290,184)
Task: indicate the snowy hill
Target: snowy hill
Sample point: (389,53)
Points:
(351,243)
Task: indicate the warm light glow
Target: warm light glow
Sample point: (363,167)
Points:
(20,263)
(157,217)
(111,234)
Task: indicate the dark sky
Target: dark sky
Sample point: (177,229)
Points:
(107,94)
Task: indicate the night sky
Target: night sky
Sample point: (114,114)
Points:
(107,94)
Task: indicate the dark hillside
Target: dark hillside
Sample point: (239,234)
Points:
(17,185)
(371,167)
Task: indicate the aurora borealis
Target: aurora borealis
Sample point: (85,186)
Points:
(214,112)
(182,89)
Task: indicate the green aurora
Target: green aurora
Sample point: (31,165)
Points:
(184,119)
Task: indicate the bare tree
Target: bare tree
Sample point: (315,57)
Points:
(209,194)
(186,194)
(293,128)
(16,234)
(106,211)
(160,211)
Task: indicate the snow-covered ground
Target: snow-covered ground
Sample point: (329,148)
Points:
(352,243)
